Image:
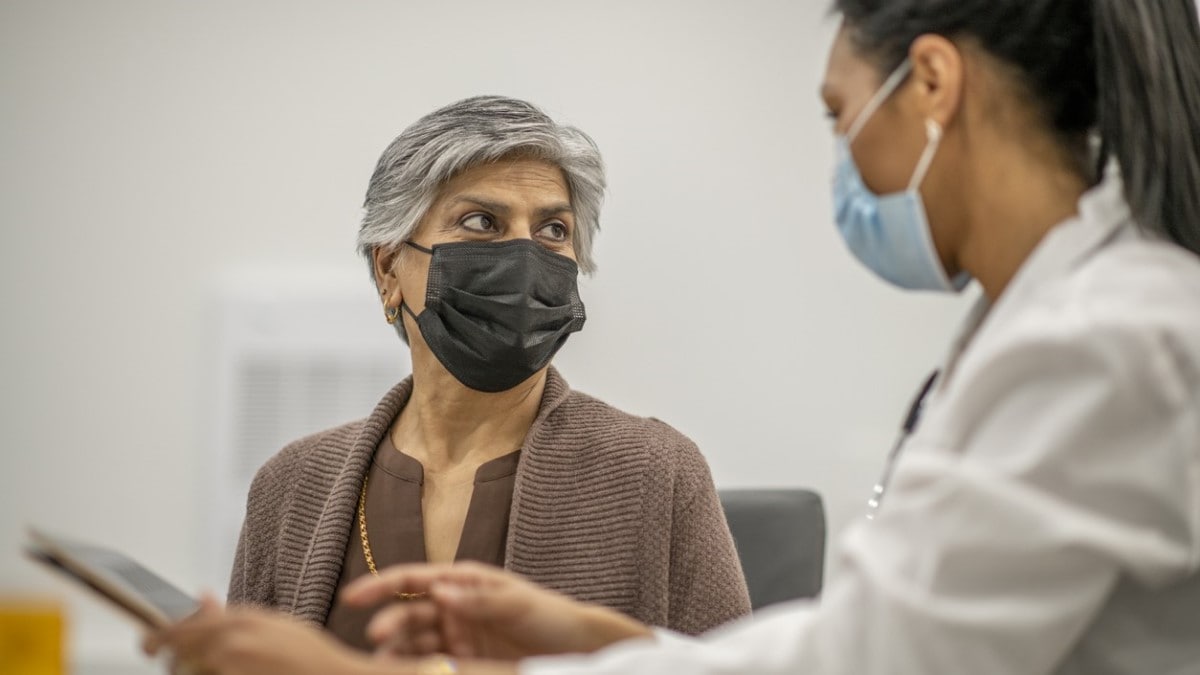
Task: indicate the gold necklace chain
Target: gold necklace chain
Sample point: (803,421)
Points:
(366,544)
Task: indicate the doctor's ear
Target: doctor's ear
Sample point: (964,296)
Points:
(939,71)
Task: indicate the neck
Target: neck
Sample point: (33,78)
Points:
(446,425)
(1017,198)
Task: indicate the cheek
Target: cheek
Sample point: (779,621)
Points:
(413,273)
(943,193)
(886,167)
(567,249)
(887,152)
(876,170)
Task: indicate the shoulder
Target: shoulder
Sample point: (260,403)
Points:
(595,421)
(1131,304)
(328,447)
(1156,282)
(605,437)
(1131,310)
(1114,342)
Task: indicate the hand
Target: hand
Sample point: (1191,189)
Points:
(478,611)
(221,641)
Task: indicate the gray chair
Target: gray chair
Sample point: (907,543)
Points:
(780,537)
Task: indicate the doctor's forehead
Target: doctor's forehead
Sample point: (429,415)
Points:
(847,71)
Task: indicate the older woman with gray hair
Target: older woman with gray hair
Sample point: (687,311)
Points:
(479,218)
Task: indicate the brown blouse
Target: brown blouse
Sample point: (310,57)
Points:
(396,529)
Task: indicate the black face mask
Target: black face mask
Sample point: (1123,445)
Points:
(496,313)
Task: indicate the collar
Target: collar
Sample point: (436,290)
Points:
(555,392)
(328,490)
(1102,213)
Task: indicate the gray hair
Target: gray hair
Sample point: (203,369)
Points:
(463,135)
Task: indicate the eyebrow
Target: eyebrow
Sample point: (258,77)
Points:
(502,209)
(555,210)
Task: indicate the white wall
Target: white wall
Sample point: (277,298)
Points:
(147,146)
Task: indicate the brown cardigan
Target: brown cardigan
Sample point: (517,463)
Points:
(608,508)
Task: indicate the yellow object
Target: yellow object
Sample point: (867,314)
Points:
(31,638)
(437,665)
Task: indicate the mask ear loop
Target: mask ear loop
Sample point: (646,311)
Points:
(889,87)
(933,131)
(404,305)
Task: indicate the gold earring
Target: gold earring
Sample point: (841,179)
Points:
(391,314)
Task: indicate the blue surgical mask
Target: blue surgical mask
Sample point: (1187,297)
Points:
(890,233)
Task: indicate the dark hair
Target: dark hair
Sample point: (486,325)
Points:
(1127,69)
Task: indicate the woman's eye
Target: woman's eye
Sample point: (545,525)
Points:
(479,222)
(556,232)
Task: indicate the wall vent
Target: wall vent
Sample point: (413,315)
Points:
(294,351)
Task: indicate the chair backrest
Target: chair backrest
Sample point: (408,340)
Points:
(780,537)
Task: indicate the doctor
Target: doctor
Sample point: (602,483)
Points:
(1044,517)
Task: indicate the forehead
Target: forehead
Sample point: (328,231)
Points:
(509,175)
(848,72)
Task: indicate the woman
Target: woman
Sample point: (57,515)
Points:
(478,219)
(1044,517)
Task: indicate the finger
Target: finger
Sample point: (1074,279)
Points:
(458,637)
(418,643)
(369,590)
(197,634)
(402,618)
(151,643)
(429,642)
(419,578)
(209,603)
(188,668)
(477,603)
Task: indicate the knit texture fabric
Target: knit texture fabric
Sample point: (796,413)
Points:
(608,508)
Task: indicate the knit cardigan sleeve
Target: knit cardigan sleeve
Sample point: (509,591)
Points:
(707,587)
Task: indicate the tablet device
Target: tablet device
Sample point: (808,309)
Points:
(117,578)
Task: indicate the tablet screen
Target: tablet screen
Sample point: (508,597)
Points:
(116,576)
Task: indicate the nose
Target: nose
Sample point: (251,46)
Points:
(519,228)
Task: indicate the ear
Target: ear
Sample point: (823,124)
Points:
(383,261)
(939,72)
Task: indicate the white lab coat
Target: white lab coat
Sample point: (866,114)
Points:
(1045,515)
